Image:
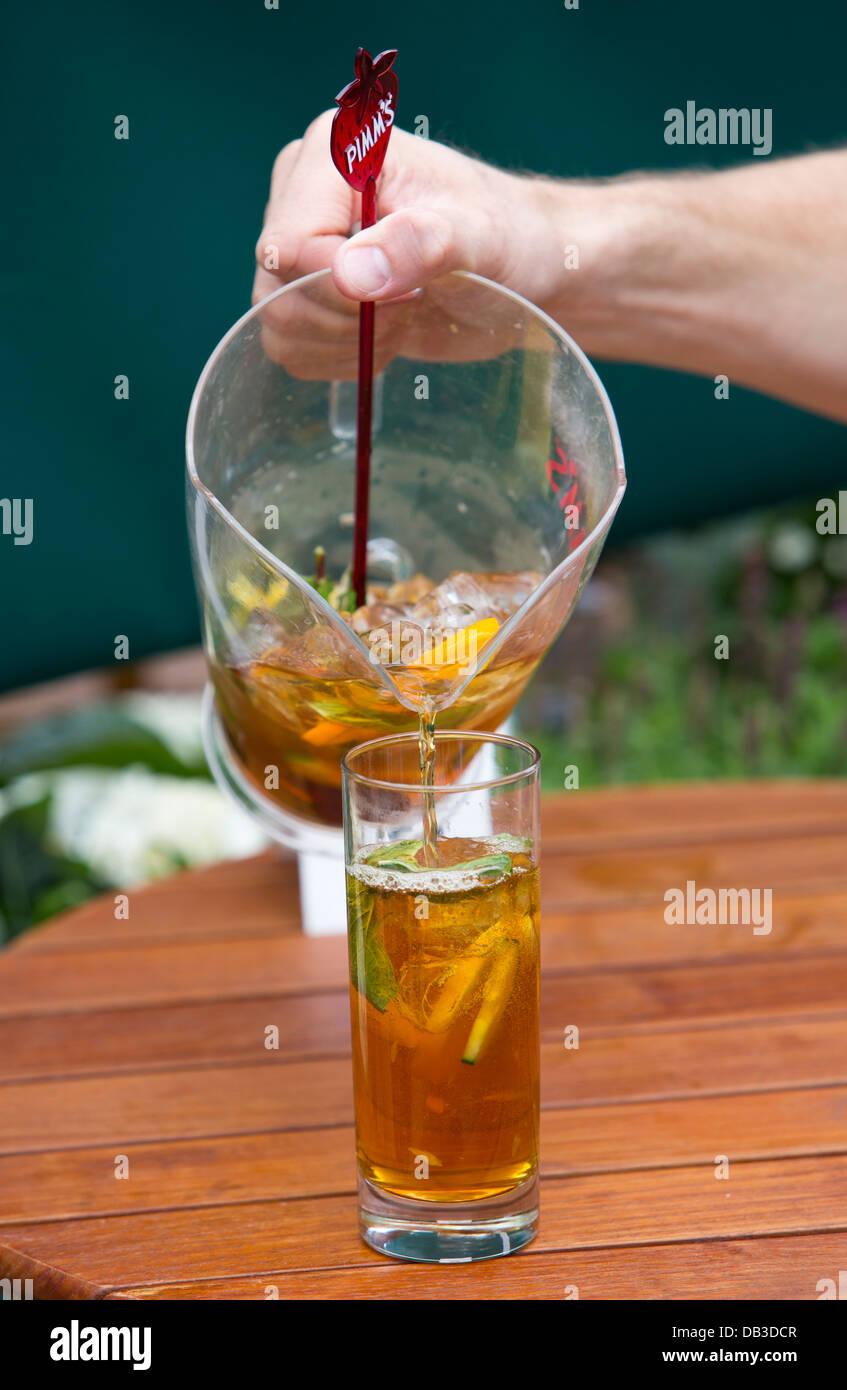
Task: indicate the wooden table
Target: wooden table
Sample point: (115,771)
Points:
(145,1038)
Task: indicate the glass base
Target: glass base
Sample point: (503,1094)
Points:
(450,1233)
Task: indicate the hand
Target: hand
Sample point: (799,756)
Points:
(438,211)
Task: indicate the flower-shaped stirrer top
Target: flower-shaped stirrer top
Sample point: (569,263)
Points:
(358,143)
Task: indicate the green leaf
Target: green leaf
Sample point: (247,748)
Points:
(512,844)
(61,898)
(35,882)
(370,967)
(399,856)
(99,736)
(323,586)
(490,866)
(335,709)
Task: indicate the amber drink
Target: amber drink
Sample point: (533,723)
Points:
(444,951)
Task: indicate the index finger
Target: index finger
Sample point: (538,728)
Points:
(311,209)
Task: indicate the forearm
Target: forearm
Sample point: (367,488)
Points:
(742,272)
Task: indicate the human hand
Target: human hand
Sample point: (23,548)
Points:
(439,210)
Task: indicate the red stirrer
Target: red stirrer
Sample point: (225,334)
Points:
(358,142)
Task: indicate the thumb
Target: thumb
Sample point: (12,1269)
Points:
(399,253)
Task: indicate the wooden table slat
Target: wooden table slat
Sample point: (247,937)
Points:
(581,1212)
(57,1185)
(775,1267)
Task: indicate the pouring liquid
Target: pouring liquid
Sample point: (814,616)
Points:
(426,743)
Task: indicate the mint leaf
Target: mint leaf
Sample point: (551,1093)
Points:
(333,709)
(323,586)
(515,844)
(490,866)
(370,967)
(400,856)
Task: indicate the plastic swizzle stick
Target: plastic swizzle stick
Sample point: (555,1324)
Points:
(358,143)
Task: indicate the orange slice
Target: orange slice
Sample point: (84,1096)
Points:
(328,731)
(456,650)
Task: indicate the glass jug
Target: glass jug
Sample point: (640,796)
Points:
(496,473)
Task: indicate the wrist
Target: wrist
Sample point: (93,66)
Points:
(618,264)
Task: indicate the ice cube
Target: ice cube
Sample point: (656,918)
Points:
(408,592)
(373,615)
(495,595)
(464,598)
(319,651)
(262,631)
(387,560)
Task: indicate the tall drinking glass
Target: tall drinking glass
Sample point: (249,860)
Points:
(443,939)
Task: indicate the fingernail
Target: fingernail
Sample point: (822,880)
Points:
(367,268)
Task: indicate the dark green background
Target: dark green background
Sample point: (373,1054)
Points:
(134,257)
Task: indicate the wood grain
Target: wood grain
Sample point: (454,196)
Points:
(298,1163)
(252,897)
(171,1035)
(787,1196)
(630,878)
(775,1268)
(803,924)
(127,1107)
(679,812)
(599,1001)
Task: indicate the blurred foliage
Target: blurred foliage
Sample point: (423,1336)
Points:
(36,881)
(634,691)
(37,877)
(98,736)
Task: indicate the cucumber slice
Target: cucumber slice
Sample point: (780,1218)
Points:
(456,992)
(498,991)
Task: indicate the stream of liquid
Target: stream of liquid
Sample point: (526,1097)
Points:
(426,743)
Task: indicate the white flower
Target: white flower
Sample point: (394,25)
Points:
(792,547)
(131,825)
(175,719)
